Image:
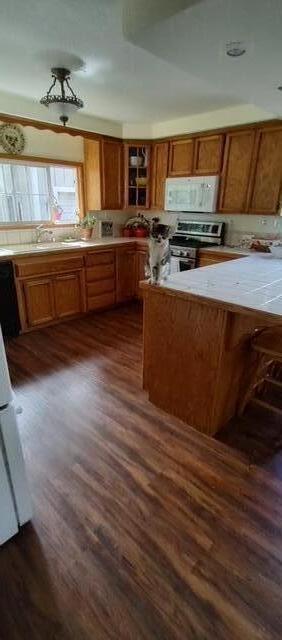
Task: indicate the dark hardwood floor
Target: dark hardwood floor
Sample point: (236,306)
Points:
(143,528)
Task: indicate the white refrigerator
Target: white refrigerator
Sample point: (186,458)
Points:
(15,502)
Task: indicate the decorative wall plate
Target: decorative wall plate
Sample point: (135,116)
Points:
(12,138)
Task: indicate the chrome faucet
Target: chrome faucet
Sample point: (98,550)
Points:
(40,231)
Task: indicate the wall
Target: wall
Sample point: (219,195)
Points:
(237,226)
(19,106)
(232,116)
(49,144)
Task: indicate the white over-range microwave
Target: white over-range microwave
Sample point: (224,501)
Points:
(198,194)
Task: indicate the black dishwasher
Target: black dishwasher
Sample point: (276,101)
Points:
(9,313)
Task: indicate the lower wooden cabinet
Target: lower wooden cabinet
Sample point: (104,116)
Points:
(100,279)
(46,299)
(208,258)
(68,294)
(39,304)
(141,260)
(75,284)
(125,274)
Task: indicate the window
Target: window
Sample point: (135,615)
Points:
(38,193)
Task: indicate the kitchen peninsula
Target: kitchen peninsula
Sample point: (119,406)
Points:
(197,330)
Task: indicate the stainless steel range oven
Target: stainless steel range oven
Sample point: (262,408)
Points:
(181,260)
(190,236)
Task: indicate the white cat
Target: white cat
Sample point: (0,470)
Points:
(158,267)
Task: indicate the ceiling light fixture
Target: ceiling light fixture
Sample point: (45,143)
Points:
(66,102)
(235,49)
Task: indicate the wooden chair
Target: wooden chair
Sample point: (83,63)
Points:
(266,346)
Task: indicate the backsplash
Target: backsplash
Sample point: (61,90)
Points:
(25,236)
(236,225)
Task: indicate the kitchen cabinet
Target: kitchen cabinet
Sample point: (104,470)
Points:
(237,163)
(265,180)
(112,174)
(46,299)
(68,289)
(181,156)
(125,274)
(208,258)
(38,301)
(141,260)
(208,155)
(159,174)
(103,174)
(100,279)
(137,175)
(49,288)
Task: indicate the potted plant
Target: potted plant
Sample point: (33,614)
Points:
(138,226)
(141,226)
(128,231)
(87,225)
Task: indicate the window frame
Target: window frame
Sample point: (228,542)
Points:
(39,161)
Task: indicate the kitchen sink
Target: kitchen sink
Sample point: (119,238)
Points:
(74,243)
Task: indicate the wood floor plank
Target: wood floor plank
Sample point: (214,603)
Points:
(143,528)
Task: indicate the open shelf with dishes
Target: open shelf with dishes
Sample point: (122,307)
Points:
(137,158)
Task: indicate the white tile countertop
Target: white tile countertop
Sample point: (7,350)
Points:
(253,282)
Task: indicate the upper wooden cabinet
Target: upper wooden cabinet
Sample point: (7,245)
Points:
(238,154)
(159,174)
(181,155)
(137,175)
(112,174)
(265,180)
(208,155)
(103,174)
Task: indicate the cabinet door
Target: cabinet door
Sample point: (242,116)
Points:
(207,258)
(137,163)
(92,174)
(125,275)
(112,172)
(181,153)
(68,294)
(159,174)
(267,170)
(141,259)
(238,154)
(208,155)
(39,301)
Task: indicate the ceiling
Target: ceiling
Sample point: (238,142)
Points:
(144,60)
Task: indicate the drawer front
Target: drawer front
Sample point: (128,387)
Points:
(48,265)
(101,301)
(99,258)
(99,287)
(100,272)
